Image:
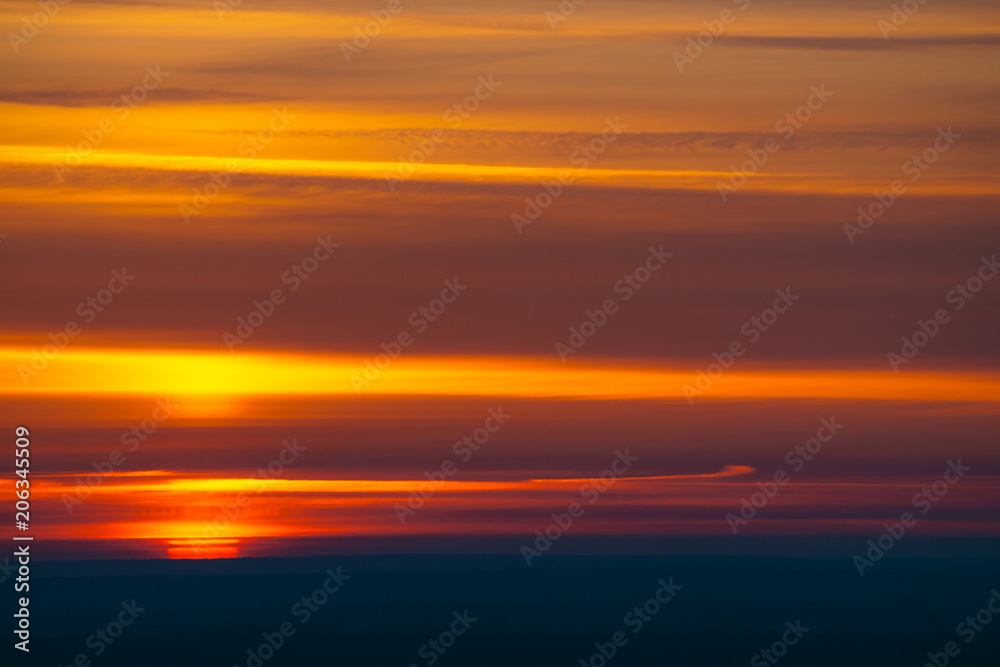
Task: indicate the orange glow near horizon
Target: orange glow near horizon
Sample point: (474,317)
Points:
(202,375)
(222,517)
(204,549)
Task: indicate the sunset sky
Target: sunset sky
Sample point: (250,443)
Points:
(242,225)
